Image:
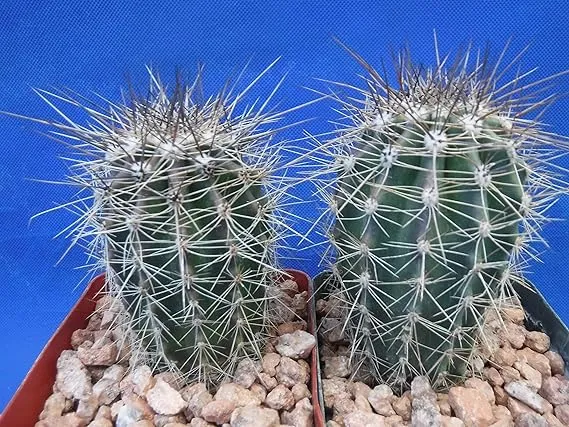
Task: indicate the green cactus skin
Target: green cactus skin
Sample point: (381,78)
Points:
(185,217)
(441,186)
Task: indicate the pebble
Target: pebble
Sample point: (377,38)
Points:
(237,394)
(515,334)
(142,380)
(363,419)
(531,420)
(537,341)
(402,406)
(523,392)
(196,396)
(72,378)
(289,372)
(270,362)
(493,376)
(532,375)
(380,399)
(218,411)
(67,420)
(556,362)
(337,366)
(555,390)
(471,406)
(54,406)
(254,416)
(536,360)
(344,404)
(296,345)
(301,416)
(260,391)
(134,409)
(103,352)
(424,408)
(164,399)
(562,413)
(246,372)
(280,398)
(300,391)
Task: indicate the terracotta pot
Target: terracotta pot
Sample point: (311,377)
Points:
(27,403)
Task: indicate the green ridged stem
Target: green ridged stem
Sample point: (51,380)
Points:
(436,198)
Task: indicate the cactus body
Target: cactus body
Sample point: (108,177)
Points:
(440,188)
(185,217)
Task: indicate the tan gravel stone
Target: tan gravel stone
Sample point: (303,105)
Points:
(280,398)
(247,372)
(552,420)
(501,396)
(300,391)
(270,362)
(218,411)
(483,387)
(164,399)
(556,390)
(359,388)
(523,392)
(100,422)
(72,378)
(447,421)
(514,314)
(402,406)
(290,372)
(53,406)
(67,420)
(259,390)
(510,374)
(533,376)
(344,404)
(535,360)
(380,398)
(537,341)
(556,362)
(517,408)
(515,334)
(267,381)
(240,396)
(530,420)
(363,419)
(103,352)
(471,406)
(196,396)
(562,413)
(505,356)
(493,376)
(331,388)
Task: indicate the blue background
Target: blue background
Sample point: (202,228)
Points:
(92,45)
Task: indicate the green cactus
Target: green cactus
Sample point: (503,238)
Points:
(441,184)
(185,217)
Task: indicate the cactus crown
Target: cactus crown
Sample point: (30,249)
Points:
(441,186)
(184,218)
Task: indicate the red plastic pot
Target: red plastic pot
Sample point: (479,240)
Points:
(28,401)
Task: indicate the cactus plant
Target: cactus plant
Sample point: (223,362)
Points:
(184,218)
(441,186)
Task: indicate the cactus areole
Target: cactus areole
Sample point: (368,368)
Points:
(184,219)
(441,186)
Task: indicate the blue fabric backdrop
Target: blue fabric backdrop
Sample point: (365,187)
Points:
(91,45)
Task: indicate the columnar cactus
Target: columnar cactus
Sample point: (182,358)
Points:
(185,218)
(441,184)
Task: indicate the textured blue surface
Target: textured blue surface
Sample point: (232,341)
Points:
(92,45)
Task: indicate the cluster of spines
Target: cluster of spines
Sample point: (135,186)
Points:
(441,187)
